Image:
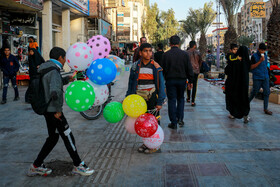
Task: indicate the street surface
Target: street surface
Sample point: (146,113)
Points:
(211,150)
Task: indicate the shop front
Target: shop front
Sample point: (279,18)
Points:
(20,20)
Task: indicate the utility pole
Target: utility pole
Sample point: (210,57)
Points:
(218,33)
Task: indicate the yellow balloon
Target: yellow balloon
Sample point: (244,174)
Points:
(134,106)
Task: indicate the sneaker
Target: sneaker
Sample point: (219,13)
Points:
(4,102)
(268,112)
(42,170)
(246,119)
(181,123)
(16,98)
(82,169)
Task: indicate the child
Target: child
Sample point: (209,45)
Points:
(146,79)
(232,58)
(56,122)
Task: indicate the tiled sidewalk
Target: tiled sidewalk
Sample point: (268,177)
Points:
(211,150)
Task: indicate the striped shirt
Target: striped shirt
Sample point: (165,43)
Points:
(146,80)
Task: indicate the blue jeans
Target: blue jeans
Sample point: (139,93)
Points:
(6,80)
(264,84)
(175,93)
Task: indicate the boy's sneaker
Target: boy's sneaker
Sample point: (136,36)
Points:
(246,119)
(42,170)
(82,169)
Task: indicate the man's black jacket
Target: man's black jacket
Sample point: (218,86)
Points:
(176,65)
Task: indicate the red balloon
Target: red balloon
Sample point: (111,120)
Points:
(146,125)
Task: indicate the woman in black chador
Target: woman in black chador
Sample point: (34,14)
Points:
(237,85)
(35,60)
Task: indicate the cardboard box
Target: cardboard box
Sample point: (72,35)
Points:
(274,98)
(23,82)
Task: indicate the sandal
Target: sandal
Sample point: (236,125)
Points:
(142,149)
(188,100)
(151,151)
(193,104)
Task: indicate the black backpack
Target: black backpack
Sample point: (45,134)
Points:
(37,93)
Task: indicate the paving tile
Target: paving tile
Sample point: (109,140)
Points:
(210,169)
(176,169)
(245,169)
(254,181)
(199,138)
(218,181)
(180,181)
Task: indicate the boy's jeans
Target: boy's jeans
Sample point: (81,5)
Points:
(6,80)
(257,84)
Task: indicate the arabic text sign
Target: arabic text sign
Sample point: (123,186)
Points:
(81,5)
(258,10)
(21,19)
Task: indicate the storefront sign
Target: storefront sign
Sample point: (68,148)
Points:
(36,4)
(80,5)
(106,29)
(20,19)
(258,10)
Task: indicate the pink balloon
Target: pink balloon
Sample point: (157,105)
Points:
(129,125)
(100,46)
(155,141)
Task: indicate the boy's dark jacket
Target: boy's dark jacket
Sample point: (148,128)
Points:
(9,66)
(159,81)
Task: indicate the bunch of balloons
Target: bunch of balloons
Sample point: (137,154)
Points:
(141,123)
(92,57)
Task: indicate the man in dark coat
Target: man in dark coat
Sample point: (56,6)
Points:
(10,66)
(159,53)
(177,68)
(136,55)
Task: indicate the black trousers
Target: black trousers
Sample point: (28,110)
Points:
(195,78)
(151,104)
(62,127)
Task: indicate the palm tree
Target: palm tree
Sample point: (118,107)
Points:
(189,28)
(203,19)
(273,34)
(230,8)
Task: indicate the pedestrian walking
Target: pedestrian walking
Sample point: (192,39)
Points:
(146,79)
(10,66)
(177,69)
(196,62)
(137,55)
(237,83)
(210,59)
(56,122)
(159,53)
(260,76)
(34,60)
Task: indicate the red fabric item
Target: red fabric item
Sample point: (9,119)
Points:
(23,77)
(275,67)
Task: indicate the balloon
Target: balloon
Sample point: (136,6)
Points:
(79,56)
(79,96)
(129,125)
(101,93)
(155,141)
(113,112)
(118,62)
(134,105)
(102,71)
(146,125)
(100,45)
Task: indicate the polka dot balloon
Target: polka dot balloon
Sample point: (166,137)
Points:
(100,45)
(79,56)
(102,71)
(101,93)
(79,96)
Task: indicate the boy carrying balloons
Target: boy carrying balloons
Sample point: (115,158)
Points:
(146,80)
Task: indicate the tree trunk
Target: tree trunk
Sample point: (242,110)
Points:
(230,38)
(273,34)
(202,45)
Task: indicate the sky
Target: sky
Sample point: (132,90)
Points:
(181,8)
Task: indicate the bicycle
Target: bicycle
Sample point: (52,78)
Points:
(95,111)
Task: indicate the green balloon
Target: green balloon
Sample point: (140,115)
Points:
(80,96)
(113,112)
